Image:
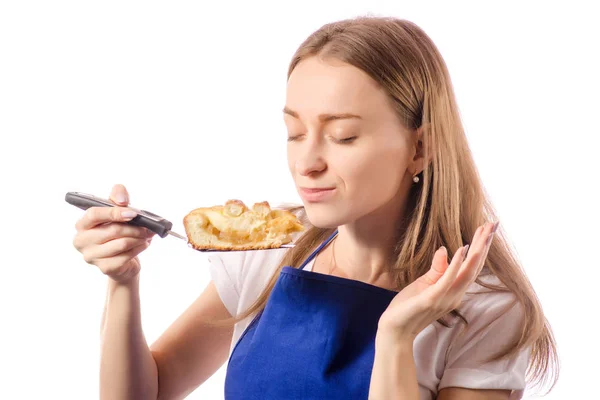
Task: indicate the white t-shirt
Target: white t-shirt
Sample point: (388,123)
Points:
(241,276)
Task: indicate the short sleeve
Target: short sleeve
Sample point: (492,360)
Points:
(495,321)
(225,274)
(240,276)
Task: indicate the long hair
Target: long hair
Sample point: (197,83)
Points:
(451,202)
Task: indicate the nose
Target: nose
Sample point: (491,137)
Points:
(309,159)
(309,164)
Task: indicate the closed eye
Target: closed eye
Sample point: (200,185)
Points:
(345,140)
(340,141)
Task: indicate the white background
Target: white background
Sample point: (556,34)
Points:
(181,102)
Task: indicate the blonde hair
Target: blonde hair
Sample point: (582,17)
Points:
(450,202)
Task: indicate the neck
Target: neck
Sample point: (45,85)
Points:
(365,248)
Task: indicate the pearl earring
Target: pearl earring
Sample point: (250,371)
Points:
(416,179)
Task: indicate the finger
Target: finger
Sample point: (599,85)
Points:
(438,266)
(119,195)
(112,265)
(489,236)
(476,247)
(488,244)
(447,280)
(476,257)
(95,216)
(108,232)
(111,249)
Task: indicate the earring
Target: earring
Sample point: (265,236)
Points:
(416,179)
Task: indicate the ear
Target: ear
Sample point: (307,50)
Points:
(421,139)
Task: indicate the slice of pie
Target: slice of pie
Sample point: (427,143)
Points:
(236,227)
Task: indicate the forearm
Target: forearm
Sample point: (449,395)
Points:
(127,368)
(394,375)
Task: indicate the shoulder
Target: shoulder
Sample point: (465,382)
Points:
(482,303)
(479,353)
(486,314)
(240,263)
(239,276)
(495,320)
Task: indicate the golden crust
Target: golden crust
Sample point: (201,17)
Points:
(234,226)
(234,208)
(236,202)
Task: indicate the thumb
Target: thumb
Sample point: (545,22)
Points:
(119,195)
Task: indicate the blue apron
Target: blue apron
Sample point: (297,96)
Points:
(315,339)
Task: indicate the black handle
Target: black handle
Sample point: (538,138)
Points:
(145,219)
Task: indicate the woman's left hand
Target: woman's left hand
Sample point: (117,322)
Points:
(439,291)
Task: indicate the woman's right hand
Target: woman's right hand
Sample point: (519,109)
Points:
(108,242)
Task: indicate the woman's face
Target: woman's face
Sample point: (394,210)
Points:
(347,150)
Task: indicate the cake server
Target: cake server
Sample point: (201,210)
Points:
(157,224)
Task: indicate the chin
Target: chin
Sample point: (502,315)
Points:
(324,216)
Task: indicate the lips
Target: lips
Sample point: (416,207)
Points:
(316,194)
(315,190)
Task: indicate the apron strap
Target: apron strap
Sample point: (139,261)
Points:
(314,253)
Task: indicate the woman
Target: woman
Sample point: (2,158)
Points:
(400,289)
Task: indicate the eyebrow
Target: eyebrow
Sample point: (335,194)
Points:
(324,117)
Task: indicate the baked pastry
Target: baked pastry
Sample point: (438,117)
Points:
(236,227)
